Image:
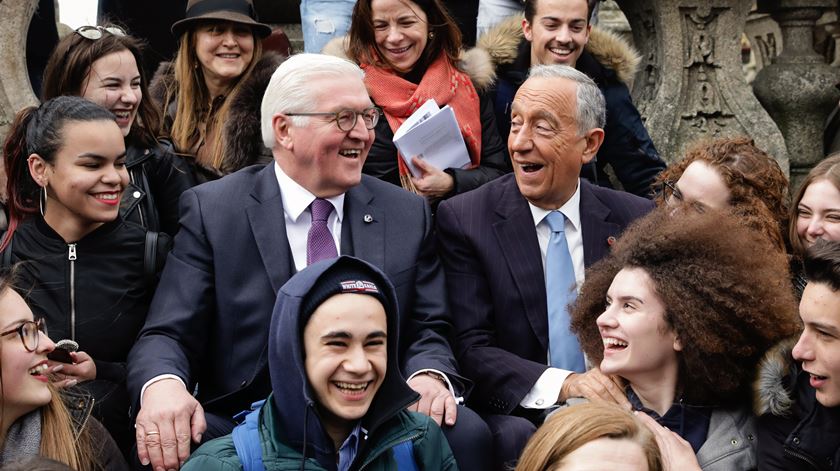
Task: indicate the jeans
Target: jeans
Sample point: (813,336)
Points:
(323,20)
(491,12)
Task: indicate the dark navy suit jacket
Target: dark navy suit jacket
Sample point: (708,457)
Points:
(208,322)
(496,284)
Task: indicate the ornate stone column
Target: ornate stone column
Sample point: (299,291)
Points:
(15,90)
(690,85)
(797,87)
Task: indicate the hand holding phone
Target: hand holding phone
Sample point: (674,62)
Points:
(62,350)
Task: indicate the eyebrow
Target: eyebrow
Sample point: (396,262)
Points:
(91,155)
(627,298)
(826,327)
(14,324)
(342,334)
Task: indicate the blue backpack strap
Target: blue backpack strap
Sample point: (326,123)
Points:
(404,456)
(246,438)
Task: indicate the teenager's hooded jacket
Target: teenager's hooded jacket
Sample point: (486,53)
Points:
(290,424)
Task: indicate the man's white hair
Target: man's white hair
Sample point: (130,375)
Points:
(290,89)
(591,106)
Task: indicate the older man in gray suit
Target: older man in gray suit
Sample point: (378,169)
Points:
(243,236)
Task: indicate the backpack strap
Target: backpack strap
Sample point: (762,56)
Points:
(246,438)
(404,456)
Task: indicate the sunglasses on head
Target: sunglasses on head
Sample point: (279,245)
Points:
(96,32)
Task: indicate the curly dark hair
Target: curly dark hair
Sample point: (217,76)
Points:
(727,296)
(758,186)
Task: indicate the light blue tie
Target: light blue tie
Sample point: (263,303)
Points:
(563,347)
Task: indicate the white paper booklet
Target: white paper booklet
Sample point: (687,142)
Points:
(432,134)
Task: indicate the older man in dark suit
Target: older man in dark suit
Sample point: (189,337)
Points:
(515,251)
(243,236)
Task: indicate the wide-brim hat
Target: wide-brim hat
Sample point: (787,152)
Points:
(237,11)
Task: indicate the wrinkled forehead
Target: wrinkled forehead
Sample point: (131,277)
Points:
(552,95)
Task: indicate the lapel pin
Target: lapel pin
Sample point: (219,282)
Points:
(368,218)
(610,241)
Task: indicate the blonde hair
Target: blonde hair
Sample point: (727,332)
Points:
(573,427)
(191,94)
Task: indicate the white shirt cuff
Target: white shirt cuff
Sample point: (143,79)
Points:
(155,380)
(458,399)
(546,391)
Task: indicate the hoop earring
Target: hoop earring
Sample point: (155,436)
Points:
(42,199)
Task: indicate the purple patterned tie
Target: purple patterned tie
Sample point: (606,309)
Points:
(319,243)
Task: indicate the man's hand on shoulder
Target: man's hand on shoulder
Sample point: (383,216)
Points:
(435,399)
(168,419)
(594,386)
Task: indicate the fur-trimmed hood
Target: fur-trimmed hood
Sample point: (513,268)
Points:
(502,44)
(475,62)
(243,135)
(771,394)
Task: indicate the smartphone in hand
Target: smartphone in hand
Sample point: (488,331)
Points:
(62,350)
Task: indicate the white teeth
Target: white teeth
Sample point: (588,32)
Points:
(351,152)
(611,342)
(122,114)
(107,196)
(229,56)
(399,51)
(560,51)
(38,369)
(351,386)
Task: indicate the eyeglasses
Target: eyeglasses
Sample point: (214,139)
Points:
(29,333)
(346,119)
(96,32)
(674,197)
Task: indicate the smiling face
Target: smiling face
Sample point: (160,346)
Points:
(22,372)
(114,84)
(401,31)
(818,347)
(319,156)
(345,343)
(818,213)
(545,148)
(638,343)
(558,32)
(225,50)
(605,453)
(86,178)
(702,186)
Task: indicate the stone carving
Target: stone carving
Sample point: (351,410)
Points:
(691,85)
(15,91)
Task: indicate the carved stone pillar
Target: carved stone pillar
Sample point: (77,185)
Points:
(797,87)
(15,91)
(690,85)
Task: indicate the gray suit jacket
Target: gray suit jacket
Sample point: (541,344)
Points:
(208,322)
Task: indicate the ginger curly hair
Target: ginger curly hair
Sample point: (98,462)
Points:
(758,187)
(727,295)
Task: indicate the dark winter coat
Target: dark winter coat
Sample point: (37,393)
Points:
(611,63)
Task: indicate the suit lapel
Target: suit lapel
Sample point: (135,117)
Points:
(269,228)
(595,229)
(518,239)
(363,228)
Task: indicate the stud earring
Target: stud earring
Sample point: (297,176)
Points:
(431,35)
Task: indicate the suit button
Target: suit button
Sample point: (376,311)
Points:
(244,383)
(540,402)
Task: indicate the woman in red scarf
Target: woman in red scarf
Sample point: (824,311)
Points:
(411,52)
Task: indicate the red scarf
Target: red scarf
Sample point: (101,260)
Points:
(399,98)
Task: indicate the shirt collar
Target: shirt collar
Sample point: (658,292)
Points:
(297,198)
(570,209)
(350,448)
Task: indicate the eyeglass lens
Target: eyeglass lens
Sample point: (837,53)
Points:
(95,32)
(347,119)
(29,332)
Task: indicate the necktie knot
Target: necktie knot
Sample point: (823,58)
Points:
(320,209)
(556,221)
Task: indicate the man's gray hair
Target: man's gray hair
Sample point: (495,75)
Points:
(591,106)
(291,89)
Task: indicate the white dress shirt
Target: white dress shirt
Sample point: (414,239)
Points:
(545,392)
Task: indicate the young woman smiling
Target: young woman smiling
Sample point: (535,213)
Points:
(34,418)
(681,313)
(218,50)
(103,64)
(88,272)
(411,52)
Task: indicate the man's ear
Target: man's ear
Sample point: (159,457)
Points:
(282,126)
(526,29)
(593,138)
(38,169)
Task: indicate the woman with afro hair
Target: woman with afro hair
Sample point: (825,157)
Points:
(680,313)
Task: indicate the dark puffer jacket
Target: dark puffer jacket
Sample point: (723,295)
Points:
(611,63)
(795,432)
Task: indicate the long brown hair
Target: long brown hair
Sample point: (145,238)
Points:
(191,96)
(445,36)
(574,427)
(69,66)
(61,440)
(829,170)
